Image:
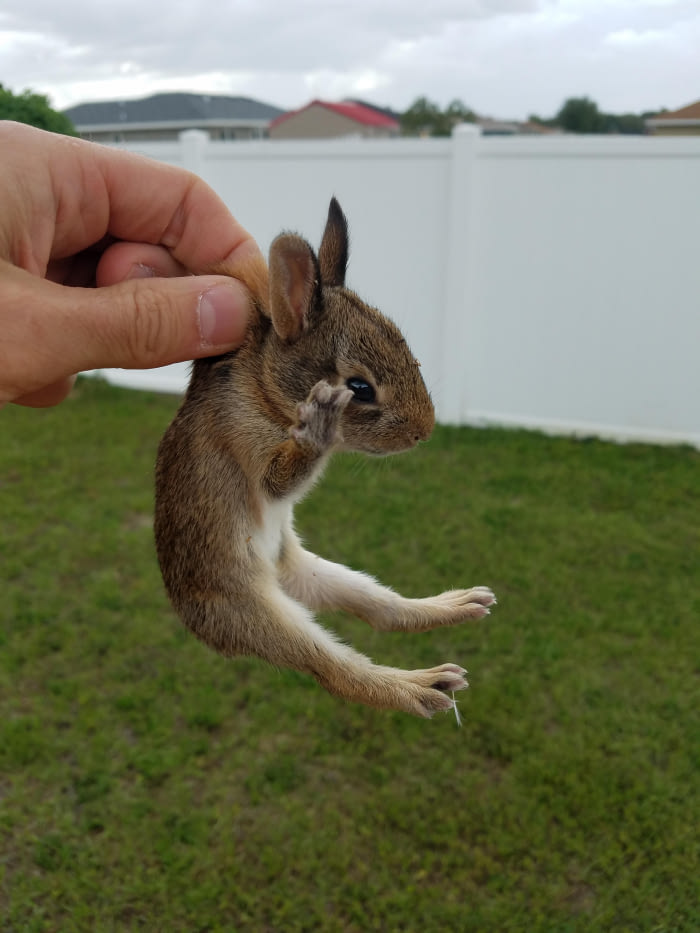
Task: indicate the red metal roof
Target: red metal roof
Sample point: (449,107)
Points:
(364,115)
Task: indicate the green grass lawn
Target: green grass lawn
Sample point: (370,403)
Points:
(148,784)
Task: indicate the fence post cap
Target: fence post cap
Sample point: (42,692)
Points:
(194,134)
(466,129)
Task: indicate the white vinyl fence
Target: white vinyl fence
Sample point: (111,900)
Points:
(552,283)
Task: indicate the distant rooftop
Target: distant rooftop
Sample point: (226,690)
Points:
(684,121)
(690,112)
(170,108)
(387,111)
(359,112)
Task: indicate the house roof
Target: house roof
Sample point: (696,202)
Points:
(491,127)
(360,113)
(392,114)
(171,108)
(691,112)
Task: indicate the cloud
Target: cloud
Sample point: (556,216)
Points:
(502,57)
(629,37)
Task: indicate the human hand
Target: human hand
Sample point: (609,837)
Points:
(104,261)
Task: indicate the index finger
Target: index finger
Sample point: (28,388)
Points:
(152,202)
(69,194)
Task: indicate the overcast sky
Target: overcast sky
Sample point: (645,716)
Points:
(503,58)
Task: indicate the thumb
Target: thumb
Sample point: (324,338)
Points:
(142,323)
(52,331)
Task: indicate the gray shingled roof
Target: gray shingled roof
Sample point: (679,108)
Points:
(176,107)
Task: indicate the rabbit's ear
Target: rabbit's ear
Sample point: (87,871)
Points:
(294,285)
(333,254)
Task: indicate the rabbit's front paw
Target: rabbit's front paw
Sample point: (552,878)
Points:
(319,416)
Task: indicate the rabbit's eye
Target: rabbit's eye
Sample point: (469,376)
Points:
(361,389)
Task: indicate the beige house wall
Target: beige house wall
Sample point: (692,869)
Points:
(689,130)
(321,123)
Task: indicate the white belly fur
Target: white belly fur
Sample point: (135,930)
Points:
(267,539)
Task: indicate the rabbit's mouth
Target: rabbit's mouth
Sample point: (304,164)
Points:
(399,446)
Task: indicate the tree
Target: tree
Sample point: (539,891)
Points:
(627,123)
(581,115)
(458,112)
(424,118)
(421,118)
(541,121)
(34,109)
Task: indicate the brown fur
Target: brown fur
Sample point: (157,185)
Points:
(254,432)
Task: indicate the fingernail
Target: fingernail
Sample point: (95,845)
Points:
(141,271)
(223,316)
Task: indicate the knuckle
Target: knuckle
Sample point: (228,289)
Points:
(150,328)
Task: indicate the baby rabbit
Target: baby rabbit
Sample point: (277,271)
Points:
(319,371)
